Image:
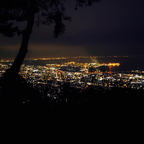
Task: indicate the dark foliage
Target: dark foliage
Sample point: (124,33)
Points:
(45,12)
(14,90)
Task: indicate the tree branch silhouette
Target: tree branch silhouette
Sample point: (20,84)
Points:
(33,12)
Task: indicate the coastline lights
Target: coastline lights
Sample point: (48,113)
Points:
(114,64)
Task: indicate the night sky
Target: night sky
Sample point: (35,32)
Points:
(109,27)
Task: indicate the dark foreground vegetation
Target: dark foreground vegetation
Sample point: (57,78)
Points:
(16,91)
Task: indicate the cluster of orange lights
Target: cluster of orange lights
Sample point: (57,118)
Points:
(114,64)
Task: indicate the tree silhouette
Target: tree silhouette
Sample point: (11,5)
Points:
(29,13)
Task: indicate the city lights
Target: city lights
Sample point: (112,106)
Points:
(78,74)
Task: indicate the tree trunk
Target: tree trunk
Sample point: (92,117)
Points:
(15,68)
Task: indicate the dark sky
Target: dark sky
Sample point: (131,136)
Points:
(109,27)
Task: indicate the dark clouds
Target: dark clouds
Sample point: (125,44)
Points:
(110,27)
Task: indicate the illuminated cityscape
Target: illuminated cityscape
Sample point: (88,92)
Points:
(78,74)
(72,52)
(68,79)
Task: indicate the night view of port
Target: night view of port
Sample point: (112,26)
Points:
(61,52)
(57,79)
